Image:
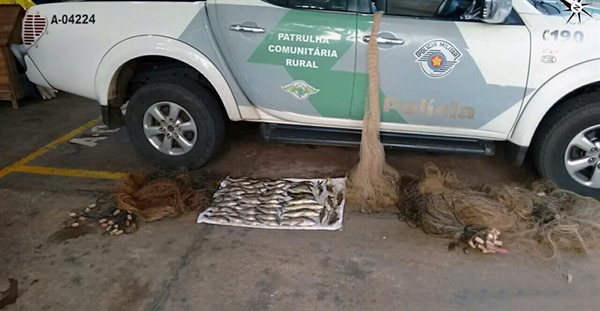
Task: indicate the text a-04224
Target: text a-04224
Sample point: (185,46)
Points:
(75,19)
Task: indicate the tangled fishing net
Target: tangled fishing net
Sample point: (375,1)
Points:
(372,184)
(541,218)
(156,196)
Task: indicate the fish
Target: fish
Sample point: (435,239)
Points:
(246,217)
(303,201)
(329,185)
(236,192)
(339,198)
(301,213)
(333,217)
(277,191)
(269,222)
(298,222)
(267,211)
(230,189)
(271,197)
(275,186)
(255,223)
(225,209)
(267,218)
(218,218)
(251,200)
(328,211)
(237,207)
(319,187)
(314,207)
(234,220)
(301,189)
(329,202)
(226,204)
(249,212)
(324,216)
(271,205)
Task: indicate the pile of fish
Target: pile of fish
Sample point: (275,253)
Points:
(275,203)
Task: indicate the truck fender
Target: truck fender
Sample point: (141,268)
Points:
(153,45)
(550,93)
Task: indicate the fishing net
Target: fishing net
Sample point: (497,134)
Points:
(156,196)
(540,218)
(372,183)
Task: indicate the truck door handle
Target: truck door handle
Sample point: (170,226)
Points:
(385,40)
(246,28)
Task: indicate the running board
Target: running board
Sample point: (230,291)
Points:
(310,135)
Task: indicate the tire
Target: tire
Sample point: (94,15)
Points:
(577,115)
(196,102)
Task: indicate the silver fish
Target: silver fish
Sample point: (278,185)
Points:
(246,217)
(235,220)
(221,215)
(319,187)
(262,218)
(236,192)
(275,186)
(225,209)
(250,200)
(254,223)
(301,213)
(333,217)
(248,211)
(273,223)
(220,219)
(339,198)
(302,222)
(267,211)
(276,191)
(300,191)
(324,216)
(329,202)
(271,197)
(226,204)
(329,185)
(303,201)
(314,207)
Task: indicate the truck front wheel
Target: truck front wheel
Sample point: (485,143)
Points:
(567,149)
(175,123)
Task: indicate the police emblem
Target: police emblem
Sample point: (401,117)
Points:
(437,58)
(300,89)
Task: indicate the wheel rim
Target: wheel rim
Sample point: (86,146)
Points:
(582,157)
(170,128)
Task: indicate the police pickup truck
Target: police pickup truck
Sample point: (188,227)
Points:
(455,75)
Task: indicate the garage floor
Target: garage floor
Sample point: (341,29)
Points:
(376,262)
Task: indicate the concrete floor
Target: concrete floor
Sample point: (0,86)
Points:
(376,262)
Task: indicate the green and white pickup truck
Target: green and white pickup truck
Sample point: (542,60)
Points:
(456,75)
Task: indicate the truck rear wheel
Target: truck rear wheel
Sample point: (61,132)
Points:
(567,150)
(175,122)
